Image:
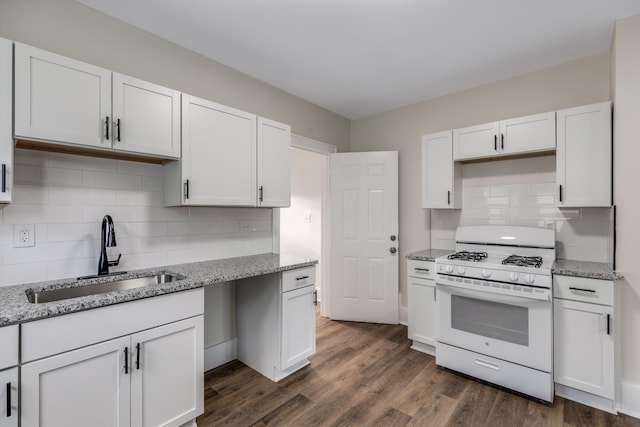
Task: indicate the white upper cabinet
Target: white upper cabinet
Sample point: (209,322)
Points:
(6,120)
(274,163)
(440,175)
(229,158)
(583,157)
(64,101)
(146,117)
(520,135)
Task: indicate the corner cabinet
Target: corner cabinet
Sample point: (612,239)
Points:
(6,120)
(583,156)
(229,158)
(441,184)
(276,323)
(61,101)
(422,305)
(147,378)
(521,135)
(586,337)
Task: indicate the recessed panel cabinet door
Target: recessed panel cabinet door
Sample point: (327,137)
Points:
(6,120)
(298,326)
(218,154)
(274,163)
(85,387)
(9,409)
(60,99)
(167,376)
(440,174)
(146,117)
(475,142)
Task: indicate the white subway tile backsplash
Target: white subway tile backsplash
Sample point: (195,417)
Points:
(66,196)
(523,192)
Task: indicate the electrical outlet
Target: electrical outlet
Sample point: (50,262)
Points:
(24,236)
(245,226)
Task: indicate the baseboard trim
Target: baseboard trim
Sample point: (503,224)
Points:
(403,316)
(630,399)
(220,354)
(585,398)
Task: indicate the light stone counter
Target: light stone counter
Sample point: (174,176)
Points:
(15,308)
(428,254)
(588,269)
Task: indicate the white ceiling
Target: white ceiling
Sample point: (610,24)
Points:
(362,57)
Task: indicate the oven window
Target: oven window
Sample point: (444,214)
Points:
(503,322)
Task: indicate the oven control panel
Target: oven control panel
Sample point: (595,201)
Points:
(501,275)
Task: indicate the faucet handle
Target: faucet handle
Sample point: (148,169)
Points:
(116,262)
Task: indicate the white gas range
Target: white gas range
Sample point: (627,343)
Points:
(495,312)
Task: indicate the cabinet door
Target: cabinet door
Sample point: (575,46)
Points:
(274,163)
(583,347)
(218,154)
(146,117)
(528,134)
(9,398)
(475,142)
(440,176)
(298,326)
(59,99)
(423,315)
(6,120)
(168,374)
(85,387)
(583,157)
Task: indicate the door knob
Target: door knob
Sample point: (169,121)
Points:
(392,250)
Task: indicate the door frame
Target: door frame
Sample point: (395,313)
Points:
(315,146)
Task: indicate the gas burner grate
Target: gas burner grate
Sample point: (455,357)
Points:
(468,256)
(523,261)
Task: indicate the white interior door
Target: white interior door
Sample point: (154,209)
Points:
(364,253)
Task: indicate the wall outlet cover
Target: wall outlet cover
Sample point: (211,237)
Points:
(24,235)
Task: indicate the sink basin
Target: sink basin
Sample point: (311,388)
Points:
(52,295)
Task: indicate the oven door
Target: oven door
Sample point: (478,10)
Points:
(512,328)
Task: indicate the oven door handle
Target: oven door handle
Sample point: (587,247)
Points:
(489,294)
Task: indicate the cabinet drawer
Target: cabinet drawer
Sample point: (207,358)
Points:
(583,289)
(8,346)
(298,278)
(424,269)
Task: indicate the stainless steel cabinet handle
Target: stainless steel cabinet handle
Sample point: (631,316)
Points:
(315,297)
(418,269)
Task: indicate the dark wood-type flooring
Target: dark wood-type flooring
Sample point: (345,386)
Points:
(366,375)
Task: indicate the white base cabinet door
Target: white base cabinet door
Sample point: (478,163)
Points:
(298,326)
(85,387)
(584,347)
(422,305)
(9,409)
(167,374)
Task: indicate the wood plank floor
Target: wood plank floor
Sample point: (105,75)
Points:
(366,375)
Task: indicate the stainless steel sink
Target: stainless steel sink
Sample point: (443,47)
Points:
(99,288)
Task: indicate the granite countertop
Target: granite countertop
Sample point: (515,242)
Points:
(588,269)
(15,308)
(428,254)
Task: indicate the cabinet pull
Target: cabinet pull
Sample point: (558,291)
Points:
(502,141)
(434,294)
(426,270)
(261,193)
(302,277)
(495,142)
(8,399)
(608,324)
(560,192)
(186,189)
(315,297)
(106,122)
(126,360)
(592,291)
(4,178)
(448,197)
(138,356)
(118,130)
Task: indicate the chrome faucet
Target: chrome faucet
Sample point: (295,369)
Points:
(108,239)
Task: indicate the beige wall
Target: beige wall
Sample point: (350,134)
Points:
(574,83)
(77,31)
(626,95)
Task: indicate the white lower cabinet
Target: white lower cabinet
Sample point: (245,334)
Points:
(585,340)
(9,398)
(151,377)
(422,305)
(276,321)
